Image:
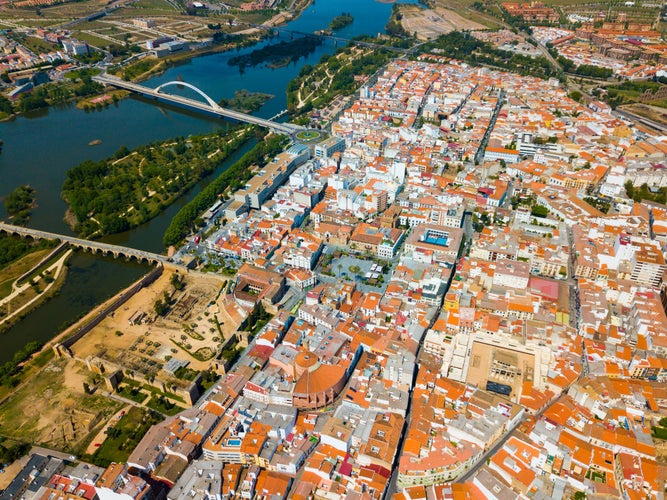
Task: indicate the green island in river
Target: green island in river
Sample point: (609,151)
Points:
(246,101)
(19,204)
(338,22)
(132,187)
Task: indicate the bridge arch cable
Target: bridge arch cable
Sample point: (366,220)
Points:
(210,101)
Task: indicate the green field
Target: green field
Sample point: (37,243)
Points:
(159,5)
(133,393)
(628,92)
(36,45)
(10,273)
(92,40)
(164,406)
(123,437)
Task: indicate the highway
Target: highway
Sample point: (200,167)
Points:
(210,107)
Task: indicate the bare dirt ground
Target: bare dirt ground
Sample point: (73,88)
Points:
(431,23)
(655,113)
(53,409)
(187,329)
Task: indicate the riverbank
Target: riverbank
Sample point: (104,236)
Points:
(103,100)
(246,38)
(132,187)
(42,356)
(37,139)
(30,295)
(27,415)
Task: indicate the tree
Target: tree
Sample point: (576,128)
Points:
(5,104)
(629,189)
(576,95)
(177,281)
(160,307)
(14,452)
(539,211)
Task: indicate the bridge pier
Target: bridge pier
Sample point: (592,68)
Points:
(93,247)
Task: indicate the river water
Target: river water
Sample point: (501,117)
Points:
(39,148)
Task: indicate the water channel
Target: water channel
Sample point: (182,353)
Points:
(39,148)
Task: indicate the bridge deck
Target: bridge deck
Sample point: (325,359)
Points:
(86,244)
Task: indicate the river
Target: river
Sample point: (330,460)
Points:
(40,147)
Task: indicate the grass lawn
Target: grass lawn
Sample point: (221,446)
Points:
(37,272)
(164,406)
(596,476)
(660,433)
(124,436)
(156,392)
(184,373)
(308,135)
(133,393)
(17,268)
(75,74)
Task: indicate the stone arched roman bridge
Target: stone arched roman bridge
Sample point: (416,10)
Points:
(95,247)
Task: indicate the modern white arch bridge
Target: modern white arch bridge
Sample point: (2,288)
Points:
(210,106)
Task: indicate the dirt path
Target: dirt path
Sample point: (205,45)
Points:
(55,270)
(101,436)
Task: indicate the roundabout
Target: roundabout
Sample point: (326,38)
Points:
(309,135)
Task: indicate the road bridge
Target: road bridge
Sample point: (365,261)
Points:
(210,106)
(95,247)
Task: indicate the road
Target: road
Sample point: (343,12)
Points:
(547,54)
(494,449)
(479,155)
